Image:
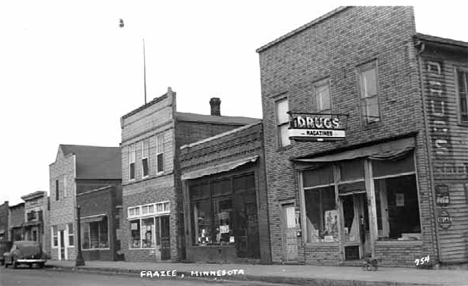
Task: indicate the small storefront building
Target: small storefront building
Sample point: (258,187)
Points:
(225,198)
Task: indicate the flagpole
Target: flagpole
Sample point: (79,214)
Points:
(144,69)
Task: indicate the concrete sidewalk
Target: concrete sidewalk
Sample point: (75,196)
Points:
(283,274)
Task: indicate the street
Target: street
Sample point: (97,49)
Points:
(41,277)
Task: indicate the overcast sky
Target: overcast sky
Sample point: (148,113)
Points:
(68,72)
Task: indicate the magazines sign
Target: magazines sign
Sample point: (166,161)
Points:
(317,127)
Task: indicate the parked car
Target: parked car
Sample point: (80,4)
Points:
(26,252)
(5,246)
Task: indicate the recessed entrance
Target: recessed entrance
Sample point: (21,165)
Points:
(356,226)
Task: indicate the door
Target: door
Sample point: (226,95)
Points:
(165,238)
(356,226)
(62,249)
(288,230)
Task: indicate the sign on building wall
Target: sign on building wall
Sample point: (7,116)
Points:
(444,219)
(317,127)
(442,195)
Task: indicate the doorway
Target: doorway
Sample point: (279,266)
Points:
(356,225)
(62,249)
(288,230)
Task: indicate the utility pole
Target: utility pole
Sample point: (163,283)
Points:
(79,257)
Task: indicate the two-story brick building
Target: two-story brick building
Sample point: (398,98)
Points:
(225,199)
(153,228)
(374,141)
(36,220)
(77,169)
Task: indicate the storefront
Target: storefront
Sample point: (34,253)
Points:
(149,229)
(351,199)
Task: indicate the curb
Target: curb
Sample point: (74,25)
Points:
(186,275)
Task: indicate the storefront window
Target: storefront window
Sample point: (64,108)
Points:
(322,215)
(396,196)
(135,233)
(148,232)
(224,212)
(201,222)
(95,234)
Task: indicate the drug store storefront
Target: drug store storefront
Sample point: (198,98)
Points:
(358,202)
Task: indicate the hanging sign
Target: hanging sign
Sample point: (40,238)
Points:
(444,219)
(442,195)
(316,127)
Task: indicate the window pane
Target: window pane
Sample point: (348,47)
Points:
(144,163)
(223,221)
(318,177)
(148,233)
(368,83)
(393,167)
(462,81)
(284,135)
(321,215)
(352,170)
(160,162)
(323,97)
(103,233)
(201,222)
(135,233)
(398,208)
(282,107)
(132,171)
(221,187)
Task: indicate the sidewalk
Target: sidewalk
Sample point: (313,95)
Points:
(284,274)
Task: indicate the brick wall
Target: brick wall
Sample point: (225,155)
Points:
(62,211)
(226,147)
(16,215)
(96,202)
(333,47)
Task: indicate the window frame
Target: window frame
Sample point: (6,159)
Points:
(131,161)
(280,125)
(160,151)
(57,190)
(363,100)
(464,71)
(70,235)
(54,240)
(145,156)
(317,85)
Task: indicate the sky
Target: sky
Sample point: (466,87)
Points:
(68,72)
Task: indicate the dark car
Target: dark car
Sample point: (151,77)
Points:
(26,252)
(5,246)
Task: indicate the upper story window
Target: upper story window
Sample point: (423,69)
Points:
(144,158)
(57,191)
(160,153)
(462,87)
(282,121)
(369,93)
(131,160)
(322,96)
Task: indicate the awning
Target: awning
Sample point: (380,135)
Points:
(352,189)
(93,218)
(382,151)
(31,223)
(218,168)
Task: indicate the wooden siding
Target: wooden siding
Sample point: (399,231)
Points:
(449,149)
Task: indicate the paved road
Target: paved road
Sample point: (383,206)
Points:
(40,277)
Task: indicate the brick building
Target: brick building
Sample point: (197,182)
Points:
(76,169)
(100,222)
(225,199)
(15,222)
(36,218)
(152,211)
(372,154)
(4,217)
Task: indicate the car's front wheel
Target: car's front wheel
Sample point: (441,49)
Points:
(5,264)
(15,264)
